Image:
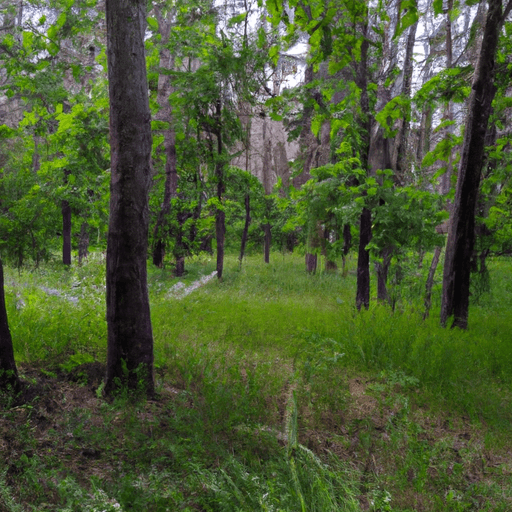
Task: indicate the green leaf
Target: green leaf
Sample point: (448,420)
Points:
(28,38)
(153,23)
(237,19)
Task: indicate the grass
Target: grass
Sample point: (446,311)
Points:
(274,394)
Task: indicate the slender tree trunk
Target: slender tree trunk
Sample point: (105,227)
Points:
(8,370)
(268,241)
(164,114)
(130,337)
(365,222)
(83,243)
(430,281)
(363,260)
(461,233)
(245,232)
(399,160)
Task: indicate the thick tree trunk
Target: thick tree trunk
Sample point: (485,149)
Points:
(8,370)
(461,233)
(130,337)
(245,232)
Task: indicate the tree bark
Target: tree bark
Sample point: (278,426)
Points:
(363,260)
(311,262)
(83,243)
(130,337)
(430,281)
(267,242)
(365,224)
(8,370)
(461,233)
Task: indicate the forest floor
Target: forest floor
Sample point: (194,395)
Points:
(241,422)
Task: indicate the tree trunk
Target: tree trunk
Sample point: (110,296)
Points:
(461,233)
(164,114)
(311,262)
(83,242)
(330,266)
(268,240)
(365,224)
(399,160)
(245,232)
(130,337)
(8,370)
(363,260)
(430,281)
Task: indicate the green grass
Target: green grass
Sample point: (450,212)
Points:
(275,394)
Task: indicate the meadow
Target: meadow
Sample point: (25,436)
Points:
(274,394)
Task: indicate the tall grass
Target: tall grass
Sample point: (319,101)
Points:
(251,361)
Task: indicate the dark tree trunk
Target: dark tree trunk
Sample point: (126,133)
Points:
(245,232)
(461,233)
(311,262)
(130,337)
(220,231)
(267,242)
(365,224)
(8,370)
(66,227)
(363,260)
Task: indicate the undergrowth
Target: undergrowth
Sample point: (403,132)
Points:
(274,393)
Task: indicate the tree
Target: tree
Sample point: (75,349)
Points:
(461,233)
(130,337)
(8,371)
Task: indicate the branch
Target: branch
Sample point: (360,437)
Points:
(507,10)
